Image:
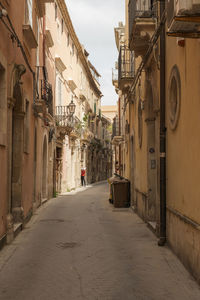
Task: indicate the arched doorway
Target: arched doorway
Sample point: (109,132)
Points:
(44,169)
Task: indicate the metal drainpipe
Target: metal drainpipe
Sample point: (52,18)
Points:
(162,238)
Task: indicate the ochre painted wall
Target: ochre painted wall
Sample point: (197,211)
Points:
(183,164)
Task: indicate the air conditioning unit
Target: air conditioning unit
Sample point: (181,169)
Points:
(183,16)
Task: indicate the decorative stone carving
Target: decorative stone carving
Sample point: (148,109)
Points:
(11,102)
(20,71)
(174,97)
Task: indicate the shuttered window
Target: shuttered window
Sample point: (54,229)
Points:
(59,91)
(28,12)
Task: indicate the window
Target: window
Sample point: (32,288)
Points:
(174,97)
(28,13)
(77,56)
(59,92)
(68,39)
(62,26)
(58,31)
(56,11)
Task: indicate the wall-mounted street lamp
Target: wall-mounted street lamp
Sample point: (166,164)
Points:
(71,108)
(64,114)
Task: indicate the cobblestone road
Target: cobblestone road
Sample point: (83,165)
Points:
(79,247)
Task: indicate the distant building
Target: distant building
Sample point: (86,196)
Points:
(109,111)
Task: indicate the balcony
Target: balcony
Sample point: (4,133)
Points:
(183,18)
(72,85)
(29,36)
(115,78)
(142,23)
(47,95)
(115,127)
(44,100)
(125,68)
(87,136)
(63,119)
(60,65)
(116,137)
(41,6)
(82,95)
(48,38)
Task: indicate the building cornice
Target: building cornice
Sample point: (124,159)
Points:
(69,25)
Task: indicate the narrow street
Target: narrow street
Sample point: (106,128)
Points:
(79,247)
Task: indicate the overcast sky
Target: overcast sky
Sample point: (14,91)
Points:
(94,22)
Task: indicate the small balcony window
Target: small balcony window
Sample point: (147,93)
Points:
(125,67)
(56,11)
(73,49)
(28,13)
(141,15)
(62,26)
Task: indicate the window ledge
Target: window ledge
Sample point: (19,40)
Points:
(29,36)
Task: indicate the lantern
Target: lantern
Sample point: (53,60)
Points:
(71,107)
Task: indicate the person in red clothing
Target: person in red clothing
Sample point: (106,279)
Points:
(83,172)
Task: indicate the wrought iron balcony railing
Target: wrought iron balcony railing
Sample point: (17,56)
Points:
(46,94)
(46,91)
(63,118)
(115,127)
(140,9)
(125,64)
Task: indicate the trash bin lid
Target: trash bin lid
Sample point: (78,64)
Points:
(112,179)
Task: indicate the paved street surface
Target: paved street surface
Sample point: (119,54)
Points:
(79,247)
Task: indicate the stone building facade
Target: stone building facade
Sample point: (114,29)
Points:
(159,140)
(77,82)
(45,75)
(25,146)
